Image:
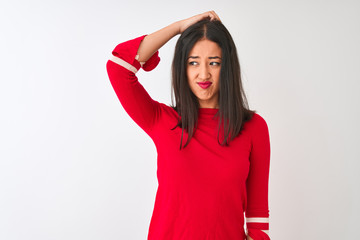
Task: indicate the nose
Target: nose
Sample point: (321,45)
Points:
(204,72)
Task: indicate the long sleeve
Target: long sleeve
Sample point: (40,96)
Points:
(121,69)
(257,210)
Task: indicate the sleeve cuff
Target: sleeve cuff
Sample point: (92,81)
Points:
(258,234)
(258,227)
(127,51)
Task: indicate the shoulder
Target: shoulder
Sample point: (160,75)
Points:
(258,125)
(259,120)
(168,110)
(168,116)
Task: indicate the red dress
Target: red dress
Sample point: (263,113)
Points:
(203,189)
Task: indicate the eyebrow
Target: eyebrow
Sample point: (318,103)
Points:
(209,57)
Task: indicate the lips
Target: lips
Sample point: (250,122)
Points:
(204,85)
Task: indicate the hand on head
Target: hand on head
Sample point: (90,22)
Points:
(184,24)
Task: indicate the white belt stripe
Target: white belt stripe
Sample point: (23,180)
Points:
(259,220)
(123,63)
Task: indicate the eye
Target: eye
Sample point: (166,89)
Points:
(192,63)
(212,63)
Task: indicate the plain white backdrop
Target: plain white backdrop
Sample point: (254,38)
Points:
(73,165)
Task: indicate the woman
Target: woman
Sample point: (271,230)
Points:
(222,171)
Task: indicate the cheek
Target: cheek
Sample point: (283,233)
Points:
(189,74)
(217,77)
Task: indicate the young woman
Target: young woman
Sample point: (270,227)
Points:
(222,171)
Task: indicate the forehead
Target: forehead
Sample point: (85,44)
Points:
(205,47)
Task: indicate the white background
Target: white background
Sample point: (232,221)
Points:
(73,165)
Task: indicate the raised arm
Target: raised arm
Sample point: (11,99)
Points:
(152,42)
(142,52)
(127,58)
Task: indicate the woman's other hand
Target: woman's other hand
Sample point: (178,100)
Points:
(184,24)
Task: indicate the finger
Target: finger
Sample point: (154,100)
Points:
(216,15)
(210,15)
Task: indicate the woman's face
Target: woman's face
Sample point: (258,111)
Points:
(203,66)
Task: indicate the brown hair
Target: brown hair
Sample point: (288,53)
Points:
(233,105)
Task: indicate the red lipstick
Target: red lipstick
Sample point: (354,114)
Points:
(204,85)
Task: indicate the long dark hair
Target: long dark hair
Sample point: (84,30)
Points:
(233,106)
